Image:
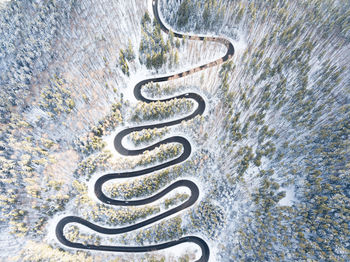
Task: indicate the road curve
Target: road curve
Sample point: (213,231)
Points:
(124,151)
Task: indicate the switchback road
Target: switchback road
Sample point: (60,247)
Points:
(124,151)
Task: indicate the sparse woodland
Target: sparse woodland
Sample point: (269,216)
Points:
(271,151)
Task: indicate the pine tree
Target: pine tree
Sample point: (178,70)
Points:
(176,57)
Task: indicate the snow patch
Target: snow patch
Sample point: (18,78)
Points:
(289,199)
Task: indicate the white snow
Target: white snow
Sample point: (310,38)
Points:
(289,199)
(3,2)
(135,77)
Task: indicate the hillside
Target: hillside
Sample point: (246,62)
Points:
(265,132)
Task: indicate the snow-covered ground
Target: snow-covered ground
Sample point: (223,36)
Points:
(266,70)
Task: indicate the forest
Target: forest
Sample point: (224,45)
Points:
(270,153)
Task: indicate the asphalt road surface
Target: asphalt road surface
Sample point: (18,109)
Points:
(124,151)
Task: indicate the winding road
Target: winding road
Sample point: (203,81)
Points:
(124,151)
